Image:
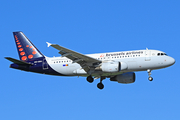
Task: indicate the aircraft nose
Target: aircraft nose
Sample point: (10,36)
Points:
(171,61)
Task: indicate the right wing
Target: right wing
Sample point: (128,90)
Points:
(86,62)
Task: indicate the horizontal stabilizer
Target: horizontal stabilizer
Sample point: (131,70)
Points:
(19,62)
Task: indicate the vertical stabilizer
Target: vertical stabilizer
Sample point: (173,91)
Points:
(25,47)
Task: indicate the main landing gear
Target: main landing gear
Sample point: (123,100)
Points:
(90,79)
(149,74)
(100,85)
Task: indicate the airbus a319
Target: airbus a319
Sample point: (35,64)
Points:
(118,66)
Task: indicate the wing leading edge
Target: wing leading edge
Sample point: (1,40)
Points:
(86,62)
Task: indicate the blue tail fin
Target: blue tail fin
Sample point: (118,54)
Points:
(25,47)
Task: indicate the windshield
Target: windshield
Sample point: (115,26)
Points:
(161,54)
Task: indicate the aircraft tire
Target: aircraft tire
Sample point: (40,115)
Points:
(100,86)
(90,79)
(150,79)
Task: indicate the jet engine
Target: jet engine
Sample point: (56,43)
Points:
(125,78)
(113,66)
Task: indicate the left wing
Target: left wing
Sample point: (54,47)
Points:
(86,62)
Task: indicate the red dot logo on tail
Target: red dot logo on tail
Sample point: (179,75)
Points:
(16,37)
(22,53)
(34,52)
(30,56)
(20,49)
(24,58)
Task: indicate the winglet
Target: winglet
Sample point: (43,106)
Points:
(49,44)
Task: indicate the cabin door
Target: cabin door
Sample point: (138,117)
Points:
(45,64)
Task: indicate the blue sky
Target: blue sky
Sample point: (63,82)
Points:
(90,27)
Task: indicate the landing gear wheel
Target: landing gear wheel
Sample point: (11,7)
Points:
(90,79)
(149,74)
(100,86)
(150,79)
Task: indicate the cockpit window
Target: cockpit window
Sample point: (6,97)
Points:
(161,54)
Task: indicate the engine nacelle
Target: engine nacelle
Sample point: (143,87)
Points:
(126,78)
(113,66)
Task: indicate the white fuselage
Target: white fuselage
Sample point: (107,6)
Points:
(139,60)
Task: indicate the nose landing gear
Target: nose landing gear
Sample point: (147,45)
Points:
(149,74)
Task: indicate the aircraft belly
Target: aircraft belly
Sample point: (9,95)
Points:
(111,74)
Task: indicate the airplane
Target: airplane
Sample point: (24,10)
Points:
(118,66)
